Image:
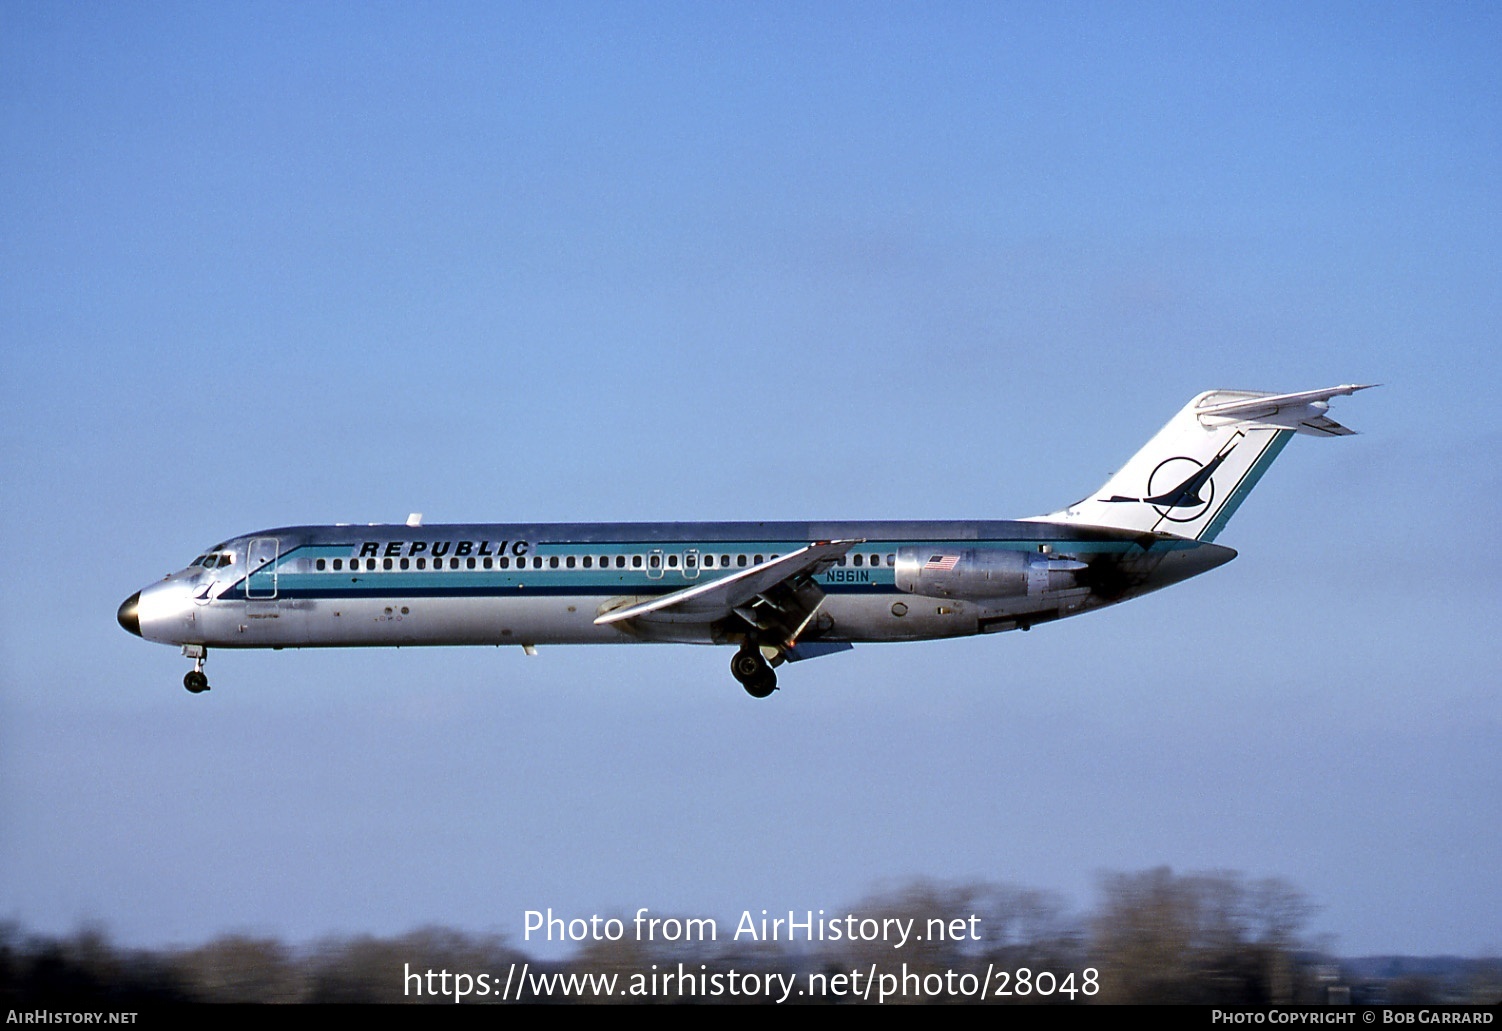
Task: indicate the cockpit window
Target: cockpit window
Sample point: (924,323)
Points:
(225,559)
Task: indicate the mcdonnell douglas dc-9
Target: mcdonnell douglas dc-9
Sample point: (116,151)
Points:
(779,592)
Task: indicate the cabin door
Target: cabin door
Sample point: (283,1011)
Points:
(261,561)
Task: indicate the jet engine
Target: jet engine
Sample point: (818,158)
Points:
(984,573)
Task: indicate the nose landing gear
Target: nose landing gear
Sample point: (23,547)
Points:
(194,680)
(751,668)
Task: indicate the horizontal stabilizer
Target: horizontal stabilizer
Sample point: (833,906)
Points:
(1303,412)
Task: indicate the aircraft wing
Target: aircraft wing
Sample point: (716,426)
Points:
(717,599)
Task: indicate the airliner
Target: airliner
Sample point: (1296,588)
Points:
(777,592)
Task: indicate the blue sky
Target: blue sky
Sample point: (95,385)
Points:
(272,264)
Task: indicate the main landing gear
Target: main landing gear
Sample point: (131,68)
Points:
(753,671)
(194,680)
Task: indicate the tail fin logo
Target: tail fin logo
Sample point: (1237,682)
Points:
(1193,486)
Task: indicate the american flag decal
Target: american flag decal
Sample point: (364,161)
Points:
(941,563)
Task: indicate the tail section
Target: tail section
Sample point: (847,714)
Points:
(1191,477)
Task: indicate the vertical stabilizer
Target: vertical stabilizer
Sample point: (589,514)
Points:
(1189,479)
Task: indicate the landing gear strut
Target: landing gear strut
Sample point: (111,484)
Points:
(194,680)
(750,667)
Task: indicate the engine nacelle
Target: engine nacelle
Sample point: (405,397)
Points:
(983,573)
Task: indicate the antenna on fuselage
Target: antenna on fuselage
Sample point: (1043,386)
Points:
(415,519)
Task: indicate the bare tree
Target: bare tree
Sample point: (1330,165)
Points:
(1199,938)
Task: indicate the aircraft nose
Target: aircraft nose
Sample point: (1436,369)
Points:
(130,614)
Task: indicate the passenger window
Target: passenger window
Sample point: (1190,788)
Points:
(553,562)
(338,564)
(422,563)
(758,561)
(725,560)
(655,561)
(588,561)
(635,561)
(406,563)
(504,562)
(673,561)
(536,562)
(370,565)
(570,562)
(856,560)
(386,564)
(620,562)
(891,560)
(320,563)
(453,563)
(470,563)
(740,560)
(488,563)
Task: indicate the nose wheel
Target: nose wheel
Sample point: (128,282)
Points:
(194,680)
(751,669)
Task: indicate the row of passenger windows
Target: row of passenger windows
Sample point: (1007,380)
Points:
(653,561)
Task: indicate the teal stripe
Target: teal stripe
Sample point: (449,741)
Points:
(1274,447)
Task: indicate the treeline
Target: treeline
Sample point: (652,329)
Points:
(1154,937)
